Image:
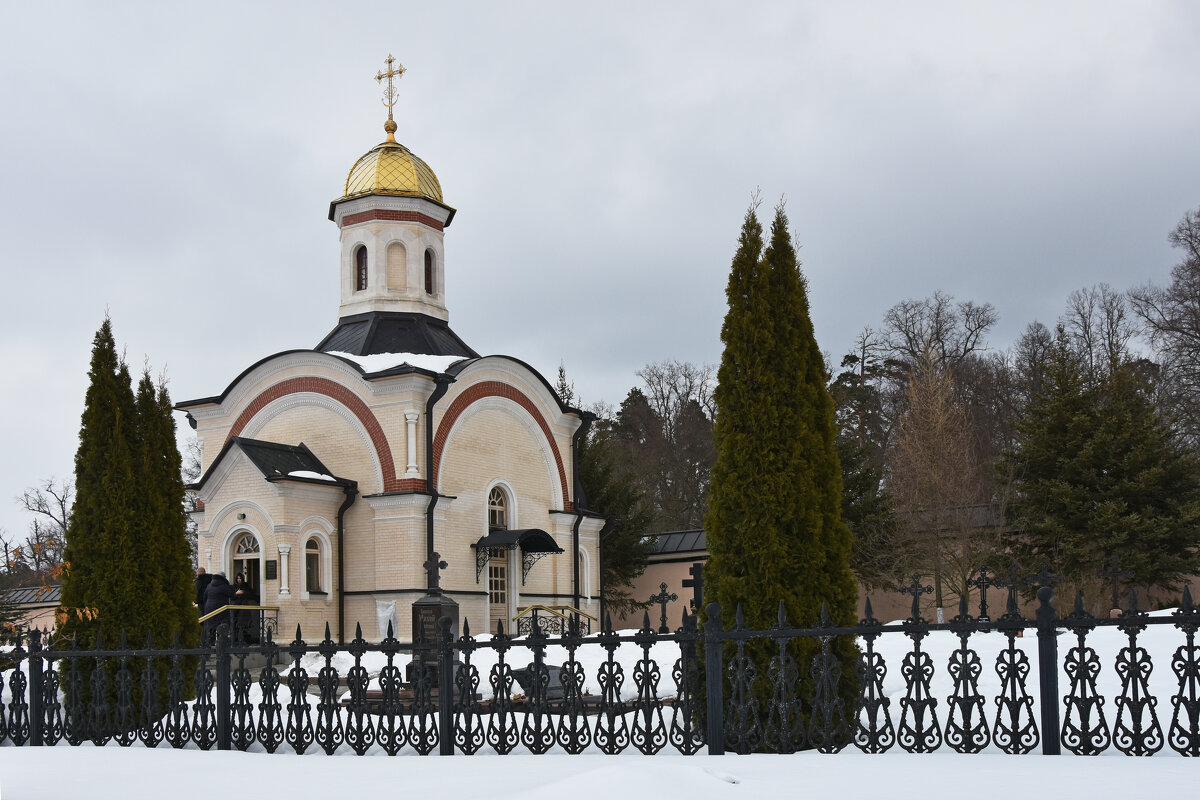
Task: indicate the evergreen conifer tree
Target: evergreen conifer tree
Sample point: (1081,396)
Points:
(127,570)
(1099,476)
(774,526)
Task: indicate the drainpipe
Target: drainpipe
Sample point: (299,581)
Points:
(351,489)
(443,384)
(580,500)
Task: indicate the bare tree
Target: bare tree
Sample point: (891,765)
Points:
(1172,318)
(671,385)
(938,330)
(937,484)
(1099,327)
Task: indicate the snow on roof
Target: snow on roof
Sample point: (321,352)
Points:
(316,476)
(381,361)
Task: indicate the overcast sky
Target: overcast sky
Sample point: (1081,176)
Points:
(175,168)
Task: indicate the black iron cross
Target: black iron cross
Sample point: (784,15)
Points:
(662,598)
(1044,578)
(696,584)
(1116,574)
(982,583)
(433,579)
(916,589)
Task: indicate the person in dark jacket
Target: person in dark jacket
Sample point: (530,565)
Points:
(218,594)
(202,581)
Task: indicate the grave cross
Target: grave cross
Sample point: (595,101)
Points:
(433,579)
(1044,578)
(982,583)
(1116,575)
(696,584)
(916,589)
(662,598)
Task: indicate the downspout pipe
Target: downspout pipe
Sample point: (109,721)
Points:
(586,420)
(443,382)
(351,489)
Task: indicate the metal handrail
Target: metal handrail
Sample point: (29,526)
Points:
(231,606)
(562,612)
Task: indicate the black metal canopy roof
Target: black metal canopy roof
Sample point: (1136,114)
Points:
(531,540)
(274,460)
(394,332)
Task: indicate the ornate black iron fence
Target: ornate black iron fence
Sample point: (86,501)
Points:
(459,696)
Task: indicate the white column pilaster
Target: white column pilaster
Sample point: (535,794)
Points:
(410,416)
(284,590)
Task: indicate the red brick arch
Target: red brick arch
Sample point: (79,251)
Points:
(340,394)
(495,389)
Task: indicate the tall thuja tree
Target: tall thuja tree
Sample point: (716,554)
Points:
(774,526)
(100,537)
(126,555)
(167,557)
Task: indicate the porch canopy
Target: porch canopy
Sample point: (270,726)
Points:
(534,543)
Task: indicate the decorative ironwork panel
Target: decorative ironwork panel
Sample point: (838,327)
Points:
(1015,730)
(18,706)
(204,710)
(873,729)
(298,732)
(270,709)
(75,724)
(743,730)
(966,727)
(784,731)
(649,731)
(423,733)
(52,716)
(1084,731)
(390,730)
(1136,731)
(241,710)
(1184,733)
(920,731)
(329,731)
(469,733)
(502,731)
(573,733)
(125,731)
(150,724)
(612,730)
(360,733)
(827,728)
(99,710)
(685,735)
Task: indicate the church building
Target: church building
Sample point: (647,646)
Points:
(331,475)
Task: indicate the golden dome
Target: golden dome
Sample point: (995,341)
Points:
(391,168)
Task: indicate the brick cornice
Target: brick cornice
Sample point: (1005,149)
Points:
(392,215)
(478,392)
(340,394)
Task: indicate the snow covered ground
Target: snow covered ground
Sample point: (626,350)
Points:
(135,772)
(123,774)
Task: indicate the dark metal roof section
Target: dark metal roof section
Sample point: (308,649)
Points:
(531,540)
(32,595)
(394,332)
(679,542)
(275,461)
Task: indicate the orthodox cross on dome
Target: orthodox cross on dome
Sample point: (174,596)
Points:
(389,92)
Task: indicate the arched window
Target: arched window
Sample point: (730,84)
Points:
(360,269)
(497,510)
(428,272)
(312,567)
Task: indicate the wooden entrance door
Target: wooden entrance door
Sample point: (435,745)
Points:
(498,589)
